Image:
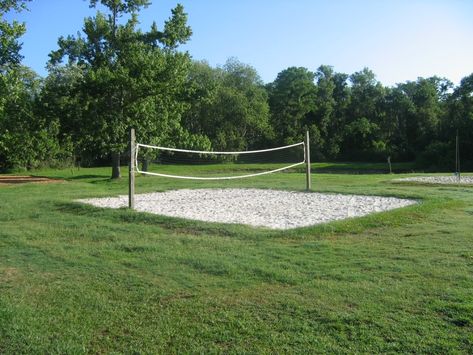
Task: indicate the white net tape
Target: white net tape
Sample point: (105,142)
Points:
(166,149)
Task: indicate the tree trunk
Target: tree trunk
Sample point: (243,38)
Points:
(144,165)
(116,166)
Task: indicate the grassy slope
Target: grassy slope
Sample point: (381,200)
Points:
(79,279)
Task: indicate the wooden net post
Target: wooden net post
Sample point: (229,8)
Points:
(131,171)
(457,157)
(307,161)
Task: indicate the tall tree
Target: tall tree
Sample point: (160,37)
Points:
(131,78)
(60,101)
(332,97)
(292,98)
(228,105)
(203,83)
(241,108)
(10,47)
(325,107)
(10,32)
(427,97)
(398,107)
(26,139)
(363,136)
(460,118)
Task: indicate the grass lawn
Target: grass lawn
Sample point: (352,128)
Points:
(78,279)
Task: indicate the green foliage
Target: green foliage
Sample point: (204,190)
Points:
(9,34)
(332,97)
(122,7)
(437,156)
(60,101)
(364,115)
(460,119)
(292,104)
(9,45)
(128,80)
(176,31)
(27,139)
(113,76)
(356,118)
(228,105)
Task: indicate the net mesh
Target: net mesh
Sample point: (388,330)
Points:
(208,165)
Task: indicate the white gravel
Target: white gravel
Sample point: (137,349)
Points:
(445,180)
(256,207)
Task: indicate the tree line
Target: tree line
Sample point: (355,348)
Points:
(114,75)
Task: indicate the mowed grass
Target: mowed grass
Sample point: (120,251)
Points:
(78,279)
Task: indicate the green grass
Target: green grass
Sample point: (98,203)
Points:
(78,279)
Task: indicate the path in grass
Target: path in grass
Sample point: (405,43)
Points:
(76,279)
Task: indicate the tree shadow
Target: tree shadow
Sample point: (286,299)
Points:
(88,176)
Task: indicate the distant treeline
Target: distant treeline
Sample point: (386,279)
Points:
(115,76)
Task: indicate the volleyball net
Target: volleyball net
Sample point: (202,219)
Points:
(216,165)
(175,163)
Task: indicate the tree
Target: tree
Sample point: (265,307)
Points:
(292,98)
(26,139)
(332,98)
(398,107)
(203,83)
(10,56)
(363,136)
(228,105)
(460,117)
(9,35)
(130,78)
(59,101)
(241,108)
(422,105)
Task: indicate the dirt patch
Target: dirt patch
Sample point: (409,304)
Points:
(17,179)
(9,274)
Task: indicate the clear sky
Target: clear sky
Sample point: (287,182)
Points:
(398,39)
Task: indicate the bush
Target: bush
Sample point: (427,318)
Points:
(437,156)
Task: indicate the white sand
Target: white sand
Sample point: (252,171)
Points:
(444,180)
(256,207)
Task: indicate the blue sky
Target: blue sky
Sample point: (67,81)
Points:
(399,40)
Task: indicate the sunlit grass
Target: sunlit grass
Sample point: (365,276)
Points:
(79,279)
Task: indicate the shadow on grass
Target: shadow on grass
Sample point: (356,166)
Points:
(179,226)
(173,224)
(89,176)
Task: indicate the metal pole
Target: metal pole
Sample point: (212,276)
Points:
(307,161)
(131,171)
